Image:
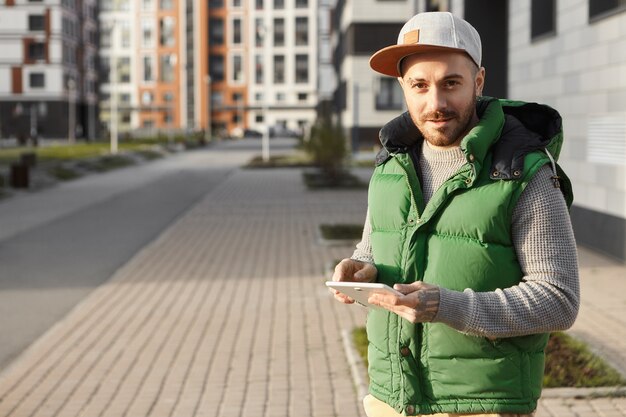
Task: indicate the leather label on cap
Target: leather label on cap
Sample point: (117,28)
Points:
(411,37)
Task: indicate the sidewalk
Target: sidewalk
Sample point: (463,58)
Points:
(225,314)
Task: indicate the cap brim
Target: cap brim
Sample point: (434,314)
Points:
(386,60)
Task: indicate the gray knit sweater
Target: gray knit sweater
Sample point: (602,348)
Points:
(547,298)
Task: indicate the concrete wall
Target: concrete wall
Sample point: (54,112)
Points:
(581,71)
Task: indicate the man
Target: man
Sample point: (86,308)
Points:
(468,218)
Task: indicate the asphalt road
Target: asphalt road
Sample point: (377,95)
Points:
(46,269)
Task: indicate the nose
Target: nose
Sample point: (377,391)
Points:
(437,100)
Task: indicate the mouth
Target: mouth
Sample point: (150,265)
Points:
(439,122)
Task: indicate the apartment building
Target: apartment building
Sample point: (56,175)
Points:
(48,69)
(571,54)
(223,65)
(281,63)
(143,47)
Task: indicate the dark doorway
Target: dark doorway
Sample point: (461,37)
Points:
(491,18)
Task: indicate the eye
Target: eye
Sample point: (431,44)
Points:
(451,83)
(419,85)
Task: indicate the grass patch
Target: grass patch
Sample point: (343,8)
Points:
(149,154)
(106,163)
(341,231)
(63,173)
(316,180)
(569,363)
(293,160)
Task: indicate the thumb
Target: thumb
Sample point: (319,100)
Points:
(408,288)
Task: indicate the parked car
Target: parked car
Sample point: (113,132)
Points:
(251,133)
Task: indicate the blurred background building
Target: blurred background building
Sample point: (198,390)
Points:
(48,65)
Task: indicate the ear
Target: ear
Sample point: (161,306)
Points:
(479,81)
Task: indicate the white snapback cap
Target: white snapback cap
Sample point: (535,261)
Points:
(426,32)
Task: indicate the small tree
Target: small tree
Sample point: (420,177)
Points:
(327,146)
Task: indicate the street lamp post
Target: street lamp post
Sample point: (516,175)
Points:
(71,102)
(265,141)
(112,89)
(207,130)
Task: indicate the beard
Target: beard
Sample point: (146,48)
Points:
(459,124)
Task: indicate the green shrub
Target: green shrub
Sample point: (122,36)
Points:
(327,146)
(63,173)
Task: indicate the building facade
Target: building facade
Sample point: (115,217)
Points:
(48,69)
(571,54)
(218,65)
(281,63)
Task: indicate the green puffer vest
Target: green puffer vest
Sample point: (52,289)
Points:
(460,239)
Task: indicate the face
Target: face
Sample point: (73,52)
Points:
(440,90)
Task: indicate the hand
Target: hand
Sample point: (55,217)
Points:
(353,271)
(419,304)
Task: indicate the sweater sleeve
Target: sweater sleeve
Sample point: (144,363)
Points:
(363,251)
(547,298)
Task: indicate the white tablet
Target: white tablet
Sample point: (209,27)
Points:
(360,291)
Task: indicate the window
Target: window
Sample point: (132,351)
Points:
(543,18)
(279,4)
(37,80)
(279,32)
(147,98)
(302,3)
(258,69)
(166,4)
(258,118)
(236,3)
(125,33)
(147,4)
(280,97)
(123,69)
(217,98)
(279,69)
(302,96)
(258,96)
(259,32)
(237,97)
(302,30)
(437,6)
(216,32)
(216,67)
(237,68)
(36,22)
(36,51)
(603,8)
(168,97)
(166,67)
(166,25)
(147,32)
(216,4)
(105,70)
(302,68)
(389,95)
(105,36)
(259,4)
(148,69)
(237,31)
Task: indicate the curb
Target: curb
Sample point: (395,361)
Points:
(357,368)
(360,378)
